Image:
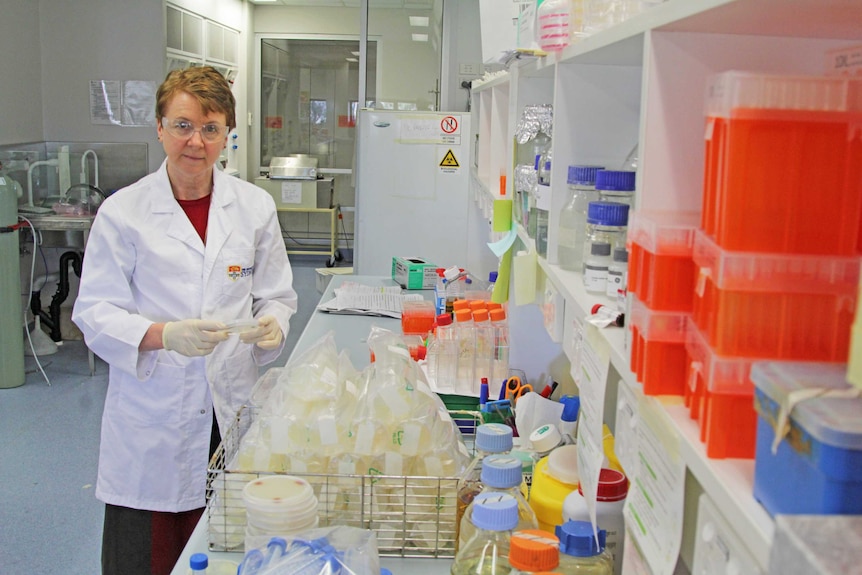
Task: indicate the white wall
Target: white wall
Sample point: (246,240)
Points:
(20,73)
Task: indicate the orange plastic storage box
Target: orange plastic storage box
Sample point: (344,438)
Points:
(774,306)
(722,399)
(658,356)
(661,271)
(783,166)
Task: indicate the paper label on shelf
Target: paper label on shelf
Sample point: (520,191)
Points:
(625,440)
(595,360)
(654,505)
(291,192)
(844,61)
(633,560)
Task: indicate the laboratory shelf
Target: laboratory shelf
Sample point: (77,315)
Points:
(643,82)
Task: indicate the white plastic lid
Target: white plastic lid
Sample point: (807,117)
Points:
(563,464)
(545,438)
(286,491)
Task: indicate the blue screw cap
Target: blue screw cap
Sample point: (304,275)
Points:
(583,175)
(615,180)
(576,539)
(501,471)
(199,562)
(608,214)
(494,438)
(495,511)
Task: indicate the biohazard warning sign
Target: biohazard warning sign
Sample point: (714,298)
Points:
(449,161)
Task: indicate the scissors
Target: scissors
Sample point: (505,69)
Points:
(515,389)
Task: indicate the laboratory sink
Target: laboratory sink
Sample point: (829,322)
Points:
(62,231)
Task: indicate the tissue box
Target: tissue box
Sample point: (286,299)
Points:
(414,273)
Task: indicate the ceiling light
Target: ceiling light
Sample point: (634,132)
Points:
(419,21)
(351,59)
(355,53)
(265,1)
(420,37)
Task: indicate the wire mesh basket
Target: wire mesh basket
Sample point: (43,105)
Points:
(412,516)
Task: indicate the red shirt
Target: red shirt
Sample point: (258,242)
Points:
(198,212)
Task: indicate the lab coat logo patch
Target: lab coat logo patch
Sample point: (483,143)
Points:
(234,272)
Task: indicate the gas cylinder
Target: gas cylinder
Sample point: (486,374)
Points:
(11,318)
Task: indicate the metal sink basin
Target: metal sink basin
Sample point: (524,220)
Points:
(63,231)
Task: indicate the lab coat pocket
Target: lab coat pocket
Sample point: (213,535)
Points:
(236,267)
(158,399)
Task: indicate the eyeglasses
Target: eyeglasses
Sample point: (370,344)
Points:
(185,129)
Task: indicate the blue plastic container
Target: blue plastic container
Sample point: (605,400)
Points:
(817,468)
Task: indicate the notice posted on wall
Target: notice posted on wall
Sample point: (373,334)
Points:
(123,102)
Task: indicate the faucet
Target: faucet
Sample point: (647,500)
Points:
(85,176)
(54,162)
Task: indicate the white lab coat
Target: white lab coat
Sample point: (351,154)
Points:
(145,263)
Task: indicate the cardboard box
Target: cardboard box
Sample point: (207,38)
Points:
(414,273)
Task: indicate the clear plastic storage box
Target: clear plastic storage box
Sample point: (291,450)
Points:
(661,271)
(774,306)
(658,356)
(783,163)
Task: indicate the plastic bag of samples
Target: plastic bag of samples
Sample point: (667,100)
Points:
(325,551)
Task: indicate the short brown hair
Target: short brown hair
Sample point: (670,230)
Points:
(203,83)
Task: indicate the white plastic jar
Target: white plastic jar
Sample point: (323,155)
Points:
(610,499)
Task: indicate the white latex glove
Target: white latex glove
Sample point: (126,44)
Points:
(267,335)
(193,337)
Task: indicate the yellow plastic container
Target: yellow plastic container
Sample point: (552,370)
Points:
(546,497)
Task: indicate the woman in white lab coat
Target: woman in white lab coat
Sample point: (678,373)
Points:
(169,261)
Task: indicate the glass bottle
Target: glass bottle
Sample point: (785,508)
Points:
(579,554)
(465,334)
(616,186)
(606,222)
(543,198)
(617,272)
(573,217)
(533,551)
(495,515)
(501,473)
(596,267)
(491,438)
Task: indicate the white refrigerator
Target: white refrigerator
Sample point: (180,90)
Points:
(412,181)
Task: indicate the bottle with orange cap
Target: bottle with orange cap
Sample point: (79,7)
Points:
(484,342)
(533,551)
(465,333)
(500,354)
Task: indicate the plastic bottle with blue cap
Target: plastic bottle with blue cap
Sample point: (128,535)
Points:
(569,418)
(491,438)
(501,473)
(580,553)
(198,564)
(495,515)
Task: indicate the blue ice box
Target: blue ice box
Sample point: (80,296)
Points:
(817,468)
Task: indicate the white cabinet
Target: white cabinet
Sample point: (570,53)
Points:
(643,83)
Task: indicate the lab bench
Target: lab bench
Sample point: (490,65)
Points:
(350,333)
